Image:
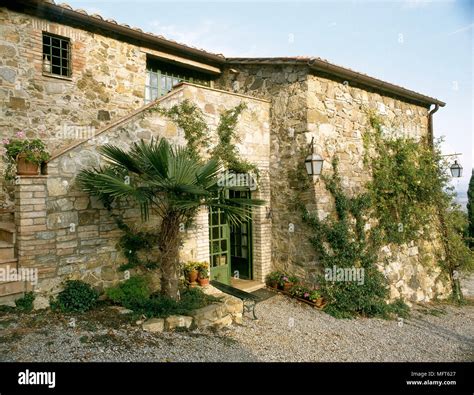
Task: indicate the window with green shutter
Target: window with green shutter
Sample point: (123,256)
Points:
(162,76)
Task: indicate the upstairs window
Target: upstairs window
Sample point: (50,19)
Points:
(56,55)
(162,76)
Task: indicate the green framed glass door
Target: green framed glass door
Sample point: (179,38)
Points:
(219,246)
(241,243)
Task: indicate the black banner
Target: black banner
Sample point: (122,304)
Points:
(381,378)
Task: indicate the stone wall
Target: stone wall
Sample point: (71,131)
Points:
(107,82)
(67,234)
(306,105)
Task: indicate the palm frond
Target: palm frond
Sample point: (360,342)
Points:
(118,157)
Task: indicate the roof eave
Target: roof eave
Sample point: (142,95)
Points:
(375,83)
(43,9)
(346,74)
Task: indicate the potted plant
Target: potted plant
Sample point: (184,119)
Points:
(28,154)
(203,274)
(272,279)
(191,272)
(289,282)
(298,291)
(316,297)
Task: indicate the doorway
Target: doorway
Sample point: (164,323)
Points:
(230,246)
(241,244)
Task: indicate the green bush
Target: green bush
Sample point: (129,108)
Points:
(132,291)
(77,297)
(26,302)
(157,305)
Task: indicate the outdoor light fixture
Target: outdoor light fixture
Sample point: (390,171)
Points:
(456,169)
(313,162)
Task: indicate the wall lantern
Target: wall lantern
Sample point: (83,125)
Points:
(456,169)
(313,162)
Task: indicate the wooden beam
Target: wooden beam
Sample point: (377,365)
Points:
(182,61)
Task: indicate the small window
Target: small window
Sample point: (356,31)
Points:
(56,55)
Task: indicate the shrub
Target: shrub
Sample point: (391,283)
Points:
(157,305)
(132,291)
(26,302)
(77,296)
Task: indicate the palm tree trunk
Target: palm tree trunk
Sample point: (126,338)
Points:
(170,241)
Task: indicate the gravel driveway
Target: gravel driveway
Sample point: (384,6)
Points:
(286,331)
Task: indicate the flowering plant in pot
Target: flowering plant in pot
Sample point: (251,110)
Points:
(316,297)
(287,282)
(298,291)
(191,272)
(203,274)
(273,279)
(28,154)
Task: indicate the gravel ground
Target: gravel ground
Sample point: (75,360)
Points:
(286,331)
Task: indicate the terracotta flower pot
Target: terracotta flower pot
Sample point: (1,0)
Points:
(203,281)
(319,302)
(192,276)
(26,168)
(287,286)
(273,284)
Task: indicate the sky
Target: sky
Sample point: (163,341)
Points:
(422,45)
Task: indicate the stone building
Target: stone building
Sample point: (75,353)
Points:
(77,80)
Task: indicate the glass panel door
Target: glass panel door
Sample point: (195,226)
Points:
(219,246)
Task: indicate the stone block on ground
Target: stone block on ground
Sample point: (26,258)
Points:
(154,325)
(178,321)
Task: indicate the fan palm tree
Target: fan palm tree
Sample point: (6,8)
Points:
(168,182)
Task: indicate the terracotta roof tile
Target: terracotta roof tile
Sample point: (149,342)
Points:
(109,20)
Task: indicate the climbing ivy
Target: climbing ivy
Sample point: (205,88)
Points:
(407,182)
(188,117)
(225,149)
(342,241)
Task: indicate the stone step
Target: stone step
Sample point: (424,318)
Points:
(7,232)
(7,250)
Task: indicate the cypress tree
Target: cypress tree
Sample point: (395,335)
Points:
(470,209)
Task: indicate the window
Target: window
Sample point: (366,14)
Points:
(56,55)
(162,76)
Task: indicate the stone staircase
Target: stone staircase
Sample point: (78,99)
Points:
(11,290)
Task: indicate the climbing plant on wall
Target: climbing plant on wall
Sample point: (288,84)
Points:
(412,198)
(342,242)
(407,198)
(190,118)
(225,149)
(407,182)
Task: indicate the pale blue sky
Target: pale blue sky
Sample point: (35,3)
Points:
(426,46)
